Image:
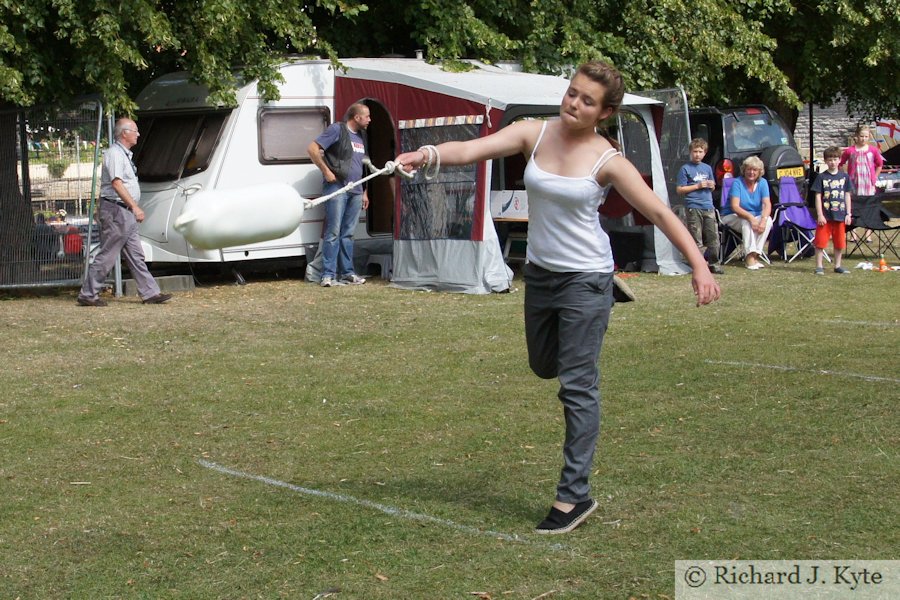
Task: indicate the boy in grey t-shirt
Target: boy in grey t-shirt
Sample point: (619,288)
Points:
(695,183)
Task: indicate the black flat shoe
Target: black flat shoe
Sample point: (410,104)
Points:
(558,521)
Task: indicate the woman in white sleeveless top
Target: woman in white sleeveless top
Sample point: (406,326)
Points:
(568,276)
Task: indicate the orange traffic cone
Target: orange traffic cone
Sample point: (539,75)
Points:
(883,266)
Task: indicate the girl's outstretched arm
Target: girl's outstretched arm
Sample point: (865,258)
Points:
(512,139)
(628,181)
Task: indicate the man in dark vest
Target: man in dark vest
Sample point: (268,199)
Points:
(339,153)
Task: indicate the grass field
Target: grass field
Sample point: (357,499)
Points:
(283,440)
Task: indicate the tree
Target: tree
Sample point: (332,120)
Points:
(844,49)
(779,51)
(54,50)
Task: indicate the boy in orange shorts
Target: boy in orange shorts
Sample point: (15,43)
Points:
(832,190)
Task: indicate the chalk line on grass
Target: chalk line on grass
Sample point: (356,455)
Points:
(388,510)
(886,324)
(796,370)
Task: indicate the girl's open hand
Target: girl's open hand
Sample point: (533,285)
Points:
(706,288)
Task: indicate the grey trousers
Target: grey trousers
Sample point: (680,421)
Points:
(705,231)
(566,316)
(118,233)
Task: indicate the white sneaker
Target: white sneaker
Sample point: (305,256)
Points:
(327,282)
(353,279)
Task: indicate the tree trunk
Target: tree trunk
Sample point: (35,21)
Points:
(16,219)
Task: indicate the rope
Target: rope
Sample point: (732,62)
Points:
(389,168)
(432,158)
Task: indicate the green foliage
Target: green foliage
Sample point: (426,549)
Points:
(114,48)
(782,52)
(56,167)
(710,48)
(845,49)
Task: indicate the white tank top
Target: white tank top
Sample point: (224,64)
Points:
(564,233)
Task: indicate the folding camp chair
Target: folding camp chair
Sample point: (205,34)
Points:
(871,215)
(793,223)
(731,244)
(731,241)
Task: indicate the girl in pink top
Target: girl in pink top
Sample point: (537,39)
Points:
(863,163)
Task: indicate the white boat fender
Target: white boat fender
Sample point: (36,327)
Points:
(214,219)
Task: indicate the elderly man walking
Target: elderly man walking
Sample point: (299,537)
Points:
(119,218)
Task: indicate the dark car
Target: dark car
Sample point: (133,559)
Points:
(888,186)
(734,134)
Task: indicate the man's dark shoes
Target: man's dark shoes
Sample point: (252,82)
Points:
(82,301)
(558,521)
(157,299)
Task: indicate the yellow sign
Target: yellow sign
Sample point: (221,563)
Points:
(794,172)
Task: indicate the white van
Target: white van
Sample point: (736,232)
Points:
(441,233)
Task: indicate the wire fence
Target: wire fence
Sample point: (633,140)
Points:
(49,177)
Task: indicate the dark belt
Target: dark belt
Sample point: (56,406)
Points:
(116,201)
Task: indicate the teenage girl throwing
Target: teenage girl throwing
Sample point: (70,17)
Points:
(569,273)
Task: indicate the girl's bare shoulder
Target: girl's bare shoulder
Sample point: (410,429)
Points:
(526,133)
(527,128)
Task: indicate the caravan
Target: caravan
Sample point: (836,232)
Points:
(441,233)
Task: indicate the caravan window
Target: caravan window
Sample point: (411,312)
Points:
(285,133)
(509,173)
(442,208)
(176,146)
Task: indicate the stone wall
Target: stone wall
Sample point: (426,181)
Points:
(832,126)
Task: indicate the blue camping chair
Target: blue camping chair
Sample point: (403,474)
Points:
(731,245)
(793,224)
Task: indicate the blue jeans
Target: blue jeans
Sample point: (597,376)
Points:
(341,216)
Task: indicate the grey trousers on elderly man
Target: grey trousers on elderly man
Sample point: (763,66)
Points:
(566,316)
(118,234)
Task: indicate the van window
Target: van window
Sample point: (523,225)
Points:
(285,133)
(751,131)
(174,146)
